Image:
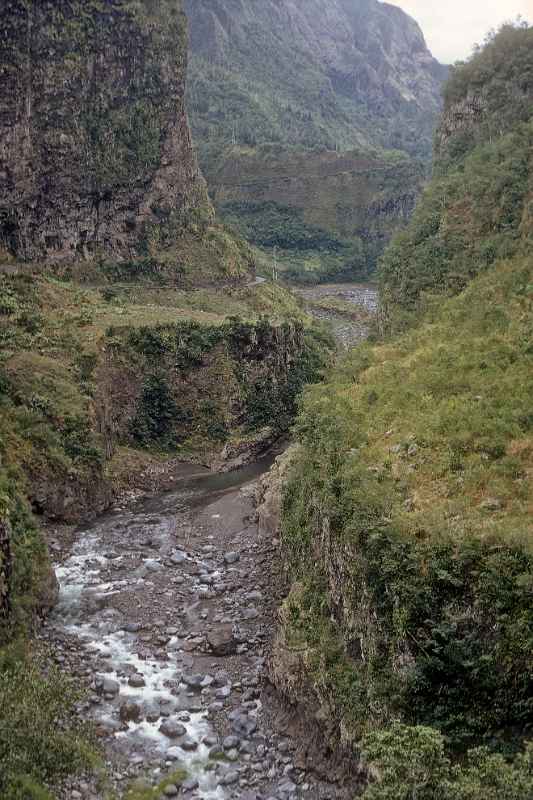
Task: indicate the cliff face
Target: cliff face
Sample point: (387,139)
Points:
(348,73)
(306,91)
(95,149)
(339,207)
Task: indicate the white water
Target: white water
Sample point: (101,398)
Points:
(80,577)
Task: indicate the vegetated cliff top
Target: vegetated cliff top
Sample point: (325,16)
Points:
(342,74)
(478,207)
(490,93)
(96,157)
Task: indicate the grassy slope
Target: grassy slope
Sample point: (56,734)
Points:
(408,517)
(417,458)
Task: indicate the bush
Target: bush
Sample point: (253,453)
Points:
(409,763)
(157,418)
(40,739)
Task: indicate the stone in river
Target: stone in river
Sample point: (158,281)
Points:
(231,742)
(232,558)
(193,681)
(129,712)
(109,686)
(170,790)
(174,754)
(189,744)
(152,714)
(178,557)
(189,785)
(229,778)
(172,728)
(137,681)
(242,724)
(222,641)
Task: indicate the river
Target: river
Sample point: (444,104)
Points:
(165,613)
(358,304)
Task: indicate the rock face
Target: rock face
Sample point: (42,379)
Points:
(347,204)
(291,104)
(95,149)
(349,73)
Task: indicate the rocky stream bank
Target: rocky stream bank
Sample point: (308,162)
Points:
(166,613)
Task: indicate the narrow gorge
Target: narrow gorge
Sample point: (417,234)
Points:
(266,447)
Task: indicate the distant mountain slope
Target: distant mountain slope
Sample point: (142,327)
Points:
(342,74)
(274,84)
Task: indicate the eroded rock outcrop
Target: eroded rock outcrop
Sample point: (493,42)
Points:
(95,149)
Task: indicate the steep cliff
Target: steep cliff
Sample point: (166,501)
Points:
(328,214)
(352,73)
(96,158)
(406,524)
(478,207)
(291,106)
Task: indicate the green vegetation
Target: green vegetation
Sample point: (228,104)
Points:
(24,567)
(61,341)
(41,740)
(503,61)
(140,792)
(411,764)
(477,209)
(416,457)
(270,225)
(407,517)
(263,367)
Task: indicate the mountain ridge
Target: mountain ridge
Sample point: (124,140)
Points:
(289,78)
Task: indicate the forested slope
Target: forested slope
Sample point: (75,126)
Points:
(288,102)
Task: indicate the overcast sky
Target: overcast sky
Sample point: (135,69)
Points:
(453,26)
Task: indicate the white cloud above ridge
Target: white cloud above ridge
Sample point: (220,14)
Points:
(452,28)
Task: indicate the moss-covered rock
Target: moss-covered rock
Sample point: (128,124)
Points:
(95,150)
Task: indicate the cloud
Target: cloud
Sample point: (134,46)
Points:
(452,28)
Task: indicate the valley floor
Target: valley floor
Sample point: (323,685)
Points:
(166,612)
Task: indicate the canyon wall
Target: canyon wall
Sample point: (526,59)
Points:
(95,149)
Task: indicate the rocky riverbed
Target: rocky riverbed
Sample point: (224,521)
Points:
(165,614)
(350,321)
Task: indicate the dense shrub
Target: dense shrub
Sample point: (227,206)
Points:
(411,764)
(476,210)
(40,738)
